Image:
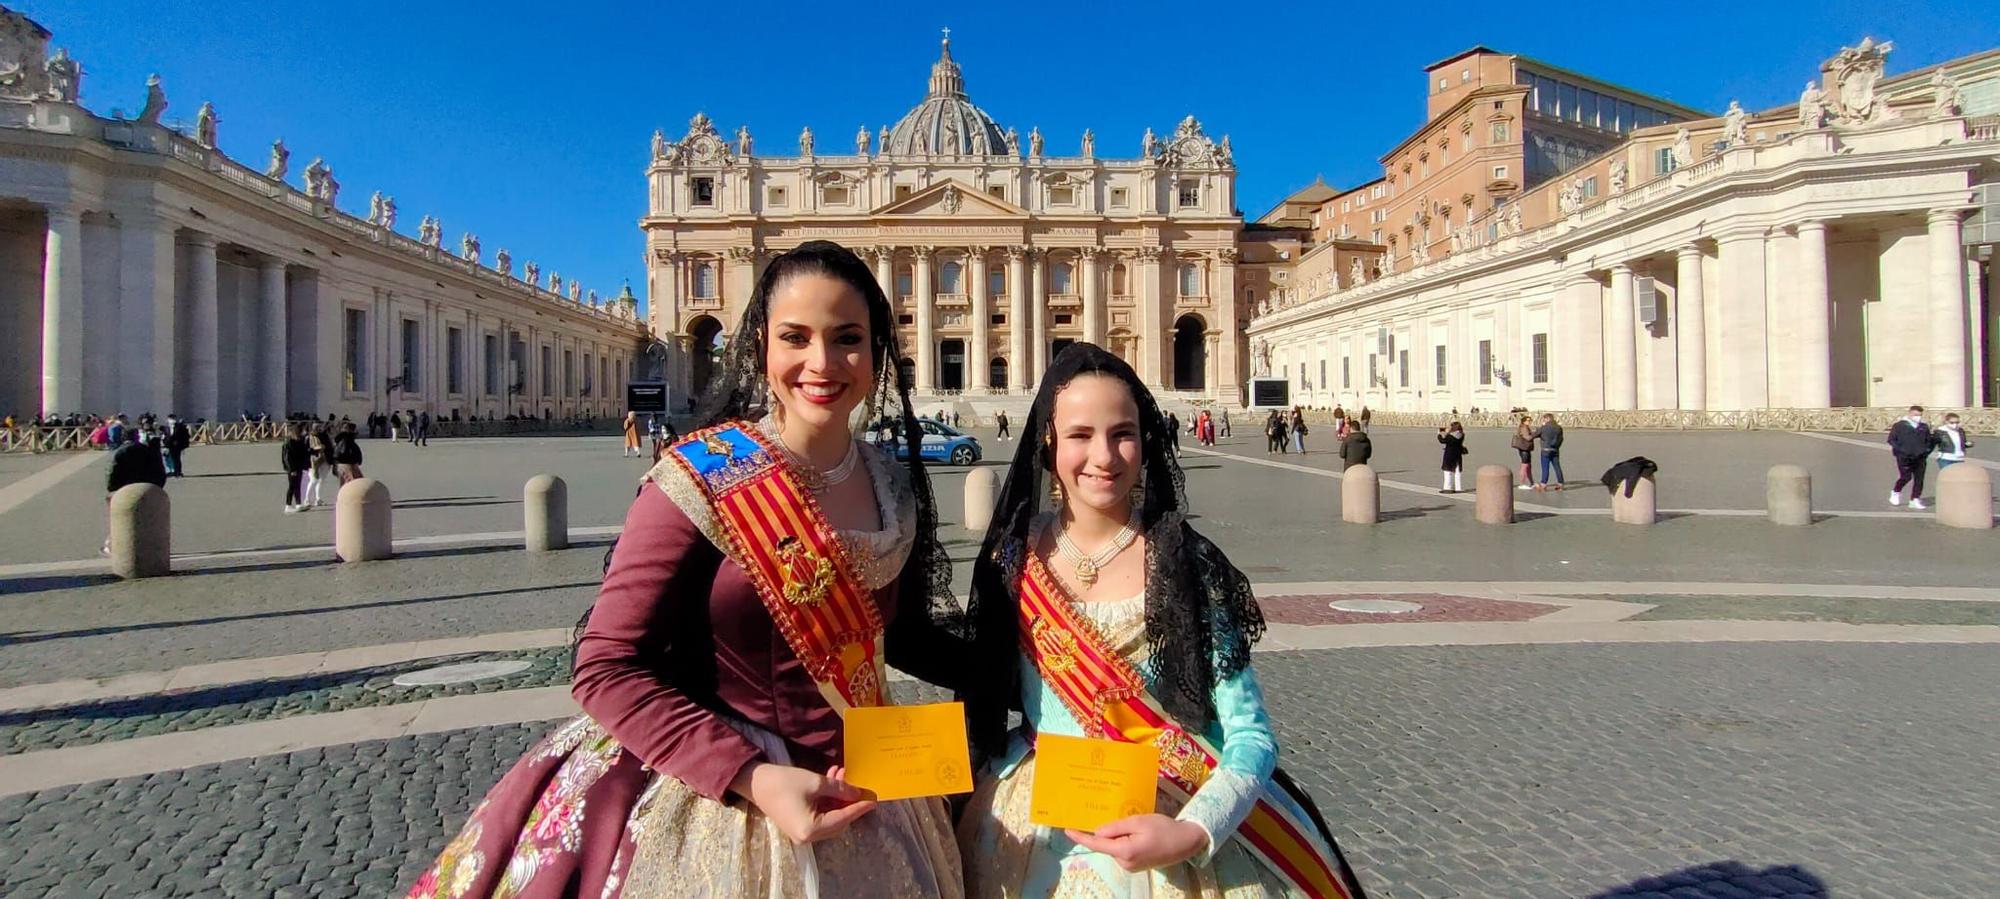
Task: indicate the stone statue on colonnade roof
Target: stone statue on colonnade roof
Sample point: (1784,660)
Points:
(1946,101)
(861,141)
(1735,126)
(205,121)
(65,78)
(156,100)
(281,161)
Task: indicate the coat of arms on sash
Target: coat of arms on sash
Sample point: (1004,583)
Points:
(808,576)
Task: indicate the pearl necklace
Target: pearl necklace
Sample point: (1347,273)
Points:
(821,481)
(1087,566)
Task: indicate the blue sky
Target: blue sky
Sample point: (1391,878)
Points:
(529,123)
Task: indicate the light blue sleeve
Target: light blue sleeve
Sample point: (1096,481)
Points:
(1249,755)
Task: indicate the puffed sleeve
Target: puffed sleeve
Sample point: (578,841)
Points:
(1249,755)
(614,682)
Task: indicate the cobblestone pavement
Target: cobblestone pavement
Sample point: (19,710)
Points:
(1911,610)
(183,710)
(1713,771)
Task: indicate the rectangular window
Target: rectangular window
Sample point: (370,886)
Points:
(996,281)
(1500,133)
(1322,372)
(1589,99)
(1120,198)
(1663,160)
(490,345)
(998,318)
(1485,362)
(833,195)
(1571,110)
(903,283)
(1499,173)
(1627,116)
(454,362)
(1545,96)
(569,373)
(997,191)
(413,355)
(1346,379)
(704,191)
(1539,345)
(1590,187)
(903,191)
(1190,193)
(1062,196)
(1375,236)
(1064,318)
(588,371)
(1402,368)
(1374,376)
(1441,363)
(548,371)
(355,342)
(776,197)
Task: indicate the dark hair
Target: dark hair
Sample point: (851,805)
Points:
(1200,615)
(1916,408)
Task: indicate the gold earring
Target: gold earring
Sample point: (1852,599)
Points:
(1055,491)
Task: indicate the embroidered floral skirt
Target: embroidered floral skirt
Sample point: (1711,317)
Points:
(1008,858)
(578,816)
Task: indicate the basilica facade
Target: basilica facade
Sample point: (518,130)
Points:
(995,248)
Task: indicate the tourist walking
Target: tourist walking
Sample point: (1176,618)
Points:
(1366,416)
(1298,427)
(1109,617)
(1274,433)
(346,454)
(631,427)
(1006,433)
(1453,439)
(1524,445)
(132,463)
(707,758)
(1951,443)
(1225,422)
(395,426)
(1910,441)
(321,445)
(1174,434)
(178,439)
(1551,436)
(423,435)
(296,457)
(1356,449)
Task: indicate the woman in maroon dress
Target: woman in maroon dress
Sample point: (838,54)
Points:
(707,760)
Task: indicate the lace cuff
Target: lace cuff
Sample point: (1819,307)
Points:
(1220,806)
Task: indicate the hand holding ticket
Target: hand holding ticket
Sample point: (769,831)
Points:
(1084,784)
(903,751)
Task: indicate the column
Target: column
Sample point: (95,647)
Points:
(1582,373)
(885,271)
(1690,329)
(1742,366)
(1019,378)
(1621,385)
(1226,384)
(204,361)
(1947,309)
(146,311)
(277,348)
(1038,306)
(1093,299)
(979,352)
(1814,351)
(926,321)
(62,312)
(1153,342)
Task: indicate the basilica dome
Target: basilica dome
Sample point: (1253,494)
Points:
(946,123)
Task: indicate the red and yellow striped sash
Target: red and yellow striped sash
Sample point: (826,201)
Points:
(1109,698)
(777,533)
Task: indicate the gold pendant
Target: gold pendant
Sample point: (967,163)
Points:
(1086,572)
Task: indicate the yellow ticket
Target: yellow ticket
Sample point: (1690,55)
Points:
(1085,784)
(900,751)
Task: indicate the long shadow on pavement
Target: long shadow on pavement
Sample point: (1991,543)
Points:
(1723,880)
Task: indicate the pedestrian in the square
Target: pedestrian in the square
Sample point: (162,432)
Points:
(1006,433)
(423,436)
(1366,416)
(395,425)
(346,454)
(1453,439)
(295,455)
(1523,444)
(1174,434)
(1225,422)
(1951,443)
(321,444)
(1910,441)
(1275,432)
(178,438)
(1551,436)
(1357,449)
(1298,428)
(132,463)
(631,428)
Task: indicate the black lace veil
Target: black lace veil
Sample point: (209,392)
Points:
(1200,615)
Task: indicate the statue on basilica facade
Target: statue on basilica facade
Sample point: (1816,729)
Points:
(430,232)
(1356,275)
(592,299)
(156,100)
(375,208)
(468,248)
(204,125)
(659,143)
(504,262)
(743,140)
(1812,107)
(1620,172)
(532,273)
(281,161)
(861,141)
(884,141)
(555,284)
(1035,141)
(1222,151)
(1013,141)
(1855,72)
(1946,101)
(806,141)
(1570,198)
(1683,149)
(1735,126)
(316,174)
(1514,217)
(1149,146)
(576,291)
(389,213)
(65,77)
(1089,144)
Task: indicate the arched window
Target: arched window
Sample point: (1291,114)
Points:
(1118,286)
(1190,280)
(903,281)
(948,277)
(1059,278)
(704,279)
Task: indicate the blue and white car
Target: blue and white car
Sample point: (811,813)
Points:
(942,443)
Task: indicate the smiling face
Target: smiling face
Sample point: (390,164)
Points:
(1095,424)
(817,350)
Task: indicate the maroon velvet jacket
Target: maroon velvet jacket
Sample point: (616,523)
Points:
(678,640)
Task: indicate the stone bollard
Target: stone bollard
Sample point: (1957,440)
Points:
(1964,497)
(546,503)
(361,521)
(1636,509)
(978,499)
(1495,502)
(1788,495)
(1360,495)
(141,532)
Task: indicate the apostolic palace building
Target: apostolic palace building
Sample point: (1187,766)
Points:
(141,269)
(997,248)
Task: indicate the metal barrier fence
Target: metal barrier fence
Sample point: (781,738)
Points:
(1853,420)
(35,439)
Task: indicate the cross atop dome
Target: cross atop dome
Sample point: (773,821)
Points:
(945,78)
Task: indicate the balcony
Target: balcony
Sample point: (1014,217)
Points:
(1065,301)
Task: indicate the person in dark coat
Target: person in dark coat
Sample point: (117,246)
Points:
(1551,436)
(423,435)
(1910,441)
(1356,449)
(1453,438)
(295,455)
(1274,433)
(346,454)
(132,463)
(178,438)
